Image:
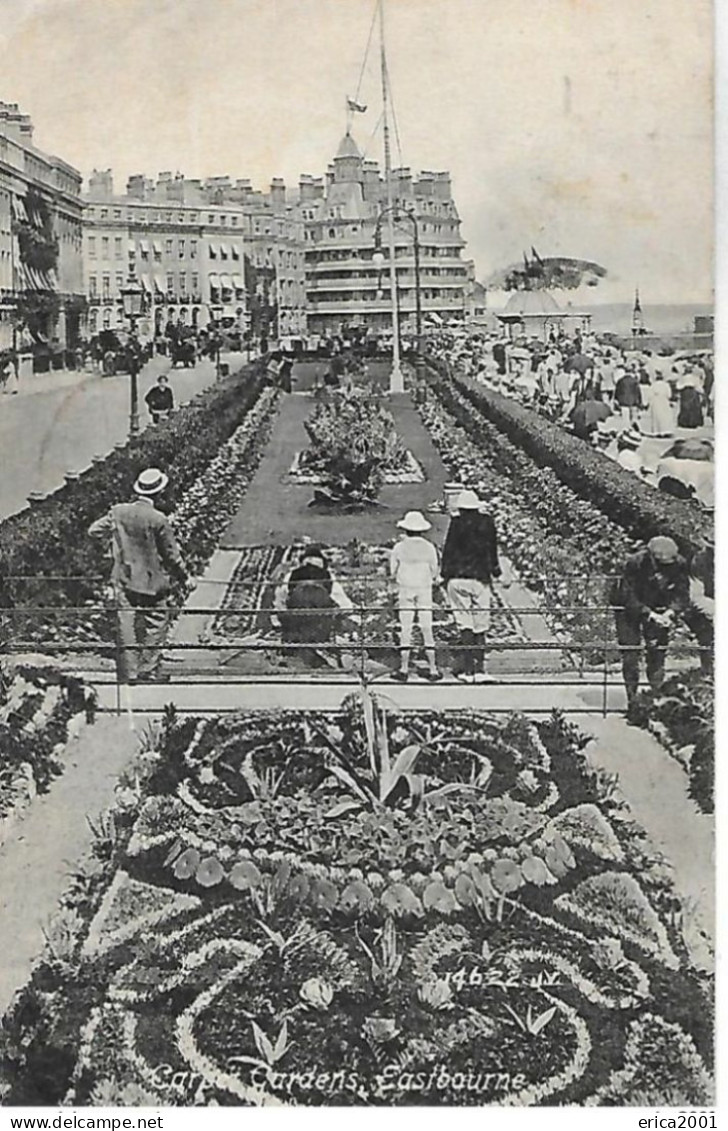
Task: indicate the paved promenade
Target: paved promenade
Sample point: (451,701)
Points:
(59,421)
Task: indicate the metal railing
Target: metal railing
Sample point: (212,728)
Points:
(245,637)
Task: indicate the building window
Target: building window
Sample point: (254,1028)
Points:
(234,221)
(235,252)
(169,246)
(118,254)
(181,249)
(193,249)
(223,252)
(195,284)
(210,218)
(107,319)
(170,283)
(119,282)
(168,217)
(223,221)
(183,283)
(117,214)
(104,213)
(212,252)
(92,286)
(92,247)
(106,286)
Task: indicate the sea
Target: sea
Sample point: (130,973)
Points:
(675,318)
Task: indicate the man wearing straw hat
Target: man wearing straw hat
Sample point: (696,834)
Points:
(414,568)
(146,562)
(469,566)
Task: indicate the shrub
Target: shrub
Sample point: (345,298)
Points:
(49,539)
(637,507)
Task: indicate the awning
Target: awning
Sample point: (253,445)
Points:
(238,282)
(226,282)
(147,284)
(144,245)
(215,282)
(157,247)
(224,250)
(432,317)
(213,250)
(160,284)
(228,311)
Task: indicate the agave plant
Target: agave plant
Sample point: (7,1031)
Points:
(387,778)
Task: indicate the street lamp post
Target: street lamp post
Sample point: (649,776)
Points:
(132,297)
(378,258)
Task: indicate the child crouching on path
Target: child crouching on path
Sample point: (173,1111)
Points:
(414,568)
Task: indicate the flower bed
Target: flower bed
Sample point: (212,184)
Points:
(640,510)
(369,908)
(247,609)
(409,471)
(564,550)
(209,449)
(41,708)
(354,444)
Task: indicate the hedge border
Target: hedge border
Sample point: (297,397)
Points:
(49,538)
(641,510)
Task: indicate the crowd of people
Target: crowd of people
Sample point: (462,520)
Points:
(637,407)
(657,589)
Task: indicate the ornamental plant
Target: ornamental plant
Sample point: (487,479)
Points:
(322,956)
(353,442)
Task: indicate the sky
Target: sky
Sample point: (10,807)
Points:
(581,127)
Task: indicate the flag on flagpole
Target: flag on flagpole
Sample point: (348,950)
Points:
(355,107)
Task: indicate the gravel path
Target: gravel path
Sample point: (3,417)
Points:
(36,862)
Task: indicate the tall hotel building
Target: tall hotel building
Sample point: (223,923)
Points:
(344,287)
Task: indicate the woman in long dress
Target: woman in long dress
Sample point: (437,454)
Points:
(659,419)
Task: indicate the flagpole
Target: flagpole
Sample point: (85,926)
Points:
(396,381)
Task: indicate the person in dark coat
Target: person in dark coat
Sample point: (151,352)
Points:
(309,606)
(160,399)
(628,394)
(652,589)
(469,566)
(691,408)
(499,357)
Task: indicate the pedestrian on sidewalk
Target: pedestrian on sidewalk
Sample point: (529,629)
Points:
(652,589)
(146,564)
(413,565)
(469,567)
(9,373)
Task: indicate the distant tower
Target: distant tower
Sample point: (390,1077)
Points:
(638,322)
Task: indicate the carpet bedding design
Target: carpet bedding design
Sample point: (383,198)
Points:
(368,907)
(411,473)
(245,614)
